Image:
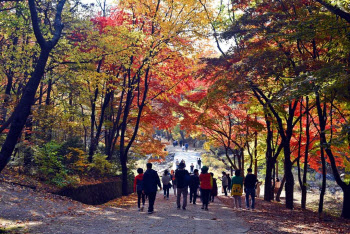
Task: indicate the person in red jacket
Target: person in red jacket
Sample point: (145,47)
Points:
(205,180)
(138,187)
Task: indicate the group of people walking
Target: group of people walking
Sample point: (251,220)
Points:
(145,184)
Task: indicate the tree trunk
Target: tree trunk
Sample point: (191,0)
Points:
(256,152)
(307,132)
(23,109)
(268,180)
(278,195)
(289,177)
(346,203)
(123,162)
(323,188)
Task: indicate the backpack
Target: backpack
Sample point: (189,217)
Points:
(236,190)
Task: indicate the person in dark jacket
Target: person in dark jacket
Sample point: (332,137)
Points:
(229,182)
(194,185)
(150,182)
(249,188)
(182,179)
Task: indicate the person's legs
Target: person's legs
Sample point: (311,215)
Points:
(139,193)
(164,189)
(175,188)
(184,193)
(191,194)
(143,200)
(247,192)
(225,190)
(253,198)
(178,197)
(167,191)
(151,199)
(194,196)
(239,201)
(206,197)
(203,198)
(235,202)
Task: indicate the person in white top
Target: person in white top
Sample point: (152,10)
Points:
(166,184)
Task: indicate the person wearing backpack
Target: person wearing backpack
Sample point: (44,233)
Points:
(138,187)
(237,189)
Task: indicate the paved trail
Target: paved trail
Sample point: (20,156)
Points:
(38,213)
(46,213)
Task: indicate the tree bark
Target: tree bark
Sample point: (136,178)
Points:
(23,108)
(307,132)
(324,181)
(278,195)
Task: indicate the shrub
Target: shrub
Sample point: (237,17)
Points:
(100,165)
(76,160)
(62,180)
(48,161)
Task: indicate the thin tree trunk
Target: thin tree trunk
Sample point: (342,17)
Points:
(324,181)
(307,132)
(278,195)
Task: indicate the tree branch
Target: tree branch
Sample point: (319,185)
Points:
(335,10)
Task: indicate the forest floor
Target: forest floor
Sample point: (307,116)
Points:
(273,217)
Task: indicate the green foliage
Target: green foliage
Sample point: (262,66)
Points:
(56,168)
(62,180)
(100,165)
(49,162)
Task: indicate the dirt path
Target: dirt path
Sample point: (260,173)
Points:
(37,212)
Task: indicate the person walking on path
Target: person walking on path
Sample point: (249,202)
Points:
(205,180)
(228,182)
(172,175)
(199,162)
(166,184)
(182,179)
(249,188)
(237,189)
(186,146)
(150,182)
(214,189)
(177,164)
(192,166)
(224,182)
(138,187)
(194,185)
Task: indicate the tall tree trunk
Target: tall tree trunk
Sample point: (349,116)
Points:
(345,187)
(324,181)
(346,203)
(307,132)
(256,152)
(23,108)
(268,180)
(269,161)
(289,176)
